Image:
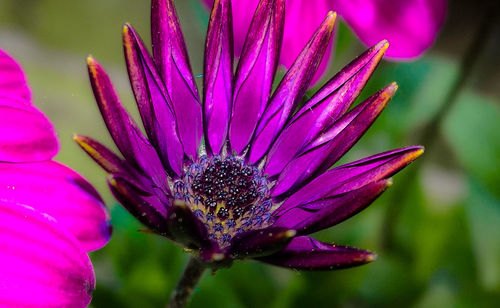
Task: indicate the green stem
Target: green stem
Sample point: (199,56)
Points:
(192,274)
(430,131)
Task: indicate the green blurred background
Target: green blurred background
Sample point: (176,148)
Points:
(436,231)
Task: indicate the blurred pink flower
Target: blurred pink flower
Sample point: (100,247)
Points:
(410,26)
(50,215)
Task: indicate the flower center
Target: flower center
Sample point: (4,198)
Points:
(228,196)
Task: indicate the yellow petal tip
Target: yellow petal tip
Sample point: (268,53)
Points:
(290,233)
(370,258)
(90,60)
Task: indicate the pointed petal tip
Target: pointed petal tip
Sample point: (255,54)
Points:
(370,257)
(383,97)
(421,149)
(381,48)
(331,15)
(93,66)
(387,93)
(416,153)
(127,32)
(363,256)
(82,142)
(383,44)
(90,60)
(393,87)
(112,181)
(330,19)
(290,233)
(125,28)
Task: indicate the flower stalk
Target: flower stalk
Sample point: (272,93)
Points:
(186,285)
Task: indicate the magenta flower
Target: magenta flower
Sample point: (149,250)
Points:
(50,215)
(411,26)
(239,174)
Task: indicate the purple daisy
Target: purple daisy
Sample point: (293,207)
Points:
(244,172)
(50,215)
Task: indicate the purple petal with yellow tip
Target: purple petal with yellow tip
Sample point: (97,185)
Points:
(26,133)
(258,243)
(147,208)
(113,164)
(55,189)
(171,58)
(255,72)
(291,90)
(108,160)
(41,263)
(128,138)
(152,99)
(323,109)
(352,176)
(218,76)
(323,152)
(331,209)
(306,253)
(13,83)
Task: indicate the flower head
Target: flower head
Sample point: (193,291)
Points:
(50,215)
(240,173)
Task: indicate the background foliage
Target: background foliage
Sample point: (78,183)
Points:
(437,230)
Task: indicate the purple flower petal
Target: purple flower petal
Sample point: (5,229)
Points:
(41,263)
(324,151)
(113,164)
(410,26)
(218,76)
(185,227)
(108,160)
(149,209)
(154,104)
(25,133)
(331,209)
(53,188)
(128,138)
(255,72)
(291,90)
(306,253)
(256,243)
(171,58)
(13,82)
(352,176)
(323,109)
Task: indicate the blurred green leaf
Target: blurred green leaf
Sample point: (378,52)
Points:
(483,214)
(472,129)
